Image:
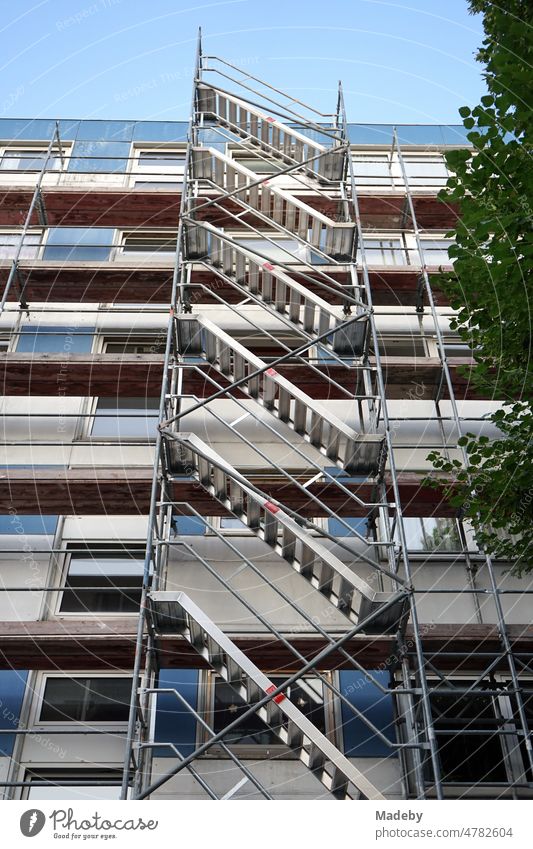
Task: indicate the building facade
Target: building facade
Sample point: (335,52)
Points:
(225,361)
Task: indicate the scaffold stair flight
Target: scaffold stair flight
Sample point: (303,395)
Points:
(355,453)
(174,612)
(302,550)
(335,238)
(253,274)
(249,123)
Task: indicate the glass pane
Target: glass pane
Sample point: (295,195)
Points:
(161,158)
(432,534)
(425,170)
(357,523)
(372,170)
(117,131)
(125,417)
(87,792)
(55,340)
(188,525)
(86,700)
(147,347)
(12,688)
(436,251)
(108,700)
(41,129)
(370,133)
(230,523)
(24,524)
(107,784)
(161,131)
(376,706)
(174,723)
(467,757)
(385,252)
(227,708)
(103,597)
(95,156)
(9,243)
(78,243)
(164,244)
(283,250)
(28,160)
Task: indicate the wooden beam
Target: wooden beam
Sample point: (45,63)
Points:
(109,644)
(127,491)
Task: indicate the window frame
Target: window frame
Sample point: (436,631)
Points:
(75,770)
(69,724)
(120,254)
(36,148)
(262,751)
(513,761)
(164,174)
(37,232)
(88,420)
(62,564)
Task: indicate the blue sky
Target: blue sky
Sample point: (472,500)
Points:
(409,62)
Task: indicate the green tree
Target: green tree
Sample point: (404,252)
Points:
(493,260)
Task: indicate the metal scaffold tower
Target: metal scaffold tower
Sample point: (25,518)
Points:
(327,306)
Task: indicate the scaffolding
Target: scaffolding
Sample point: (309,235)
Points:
(232,221)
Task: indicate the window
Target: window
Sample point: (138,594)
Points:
(385,251)
(468,757)
(101,784)
(158,168)
(425,170)
(24,524)
(357,523)
(9,244)
(44,339)
(375,705)
(161,159)
(230,523)
(78,243)
(432,534)
(113,578)
(402,346)
(148,244)
(12,688)
(258,165)
(99,156)
(372,169)
(85,699)
(282,251)
(188,526)
(126,417)
(307,695)
(435,251)
(30,159)
(457,349)
(174,723)
(132,345)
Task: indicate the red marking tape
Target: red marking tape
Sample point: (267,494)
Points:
(271,120)
(272,507)
(271,371)
(279,698)
(268,266)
